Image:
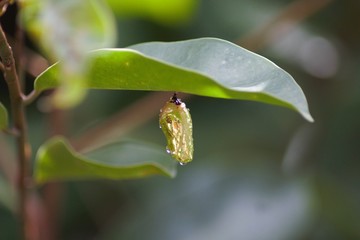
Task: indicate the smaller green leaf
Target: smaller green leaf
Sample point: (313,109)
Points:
(3,117)
(57,160)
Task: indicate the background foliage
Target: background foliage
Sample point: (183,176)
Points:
(260,172)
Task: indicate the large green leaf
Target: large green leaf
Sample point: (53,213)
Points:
(57,160)
(208,67)
(3,117)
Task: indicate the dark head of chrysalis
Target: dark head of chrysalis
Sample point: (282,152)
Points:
(175,100)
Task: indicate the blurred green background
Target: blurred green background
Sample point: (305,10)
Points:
(259,171)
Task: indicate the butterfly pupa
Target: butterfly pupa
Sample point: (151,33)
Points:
(175,121)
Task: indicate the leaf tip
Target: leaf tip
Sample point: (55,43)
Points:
(309,118)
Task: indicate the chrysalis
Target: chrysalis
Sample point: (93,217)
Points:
(175,122)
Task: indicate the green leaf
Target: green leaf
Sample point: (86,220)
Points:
(68,30)
(3,117)
(57,160)
(64,29)
(162,11)
(207,67)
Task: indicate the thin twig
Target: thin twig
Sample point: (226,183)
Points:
(11,131)
(18,112)
(53,191)
(292,15)
(30,97)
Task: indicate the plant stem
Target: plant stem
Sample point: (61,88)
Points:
(18,113)
(30,97)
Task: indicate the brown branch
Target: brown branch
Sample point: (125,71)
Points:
(18,113)
(291,15)
(31,61)
(53,192)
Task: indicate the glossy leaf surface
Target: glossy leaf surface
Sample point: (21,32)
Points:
(207,67)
